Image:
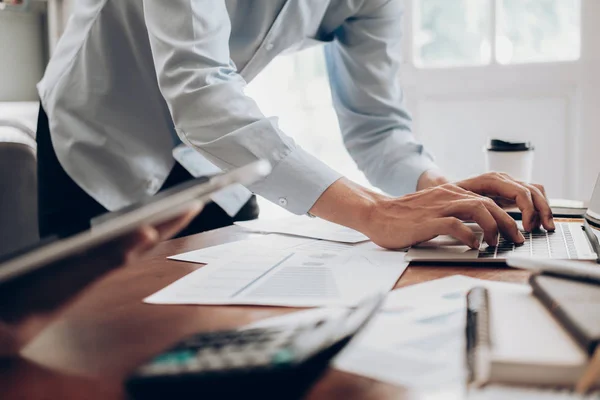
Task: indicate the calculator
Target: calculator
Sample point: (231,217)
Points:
(261,363)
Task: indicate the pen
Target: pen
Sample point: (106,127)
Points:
(478,336)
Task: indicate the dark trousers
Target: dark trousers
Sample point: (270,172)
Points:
(65,208)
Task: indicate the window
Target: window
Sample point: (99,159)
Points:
(295,88)
(451,33)
(538,31)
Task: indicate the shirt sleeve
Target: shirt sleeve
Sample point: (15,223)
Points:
(363,64)
(205,95)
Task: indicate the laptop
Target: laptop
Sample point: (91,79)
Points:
(572,240)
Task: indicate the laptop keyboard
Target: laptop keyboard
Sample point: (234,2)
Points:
(558,244)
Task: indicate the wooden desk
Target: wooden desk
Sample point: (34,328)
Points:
(109,331)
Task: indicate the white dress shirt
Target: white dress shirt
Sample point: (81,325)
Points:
(131,79)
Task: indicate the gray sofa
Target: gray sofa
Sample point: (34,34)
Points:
(18,187)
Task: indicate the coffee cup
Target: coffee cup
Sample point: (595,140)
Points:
(513,158)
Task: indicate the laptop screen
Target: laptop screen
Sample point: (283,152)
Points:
(593,212)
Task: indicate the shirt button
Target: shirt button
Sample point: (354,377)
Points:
(269,46)
(282,201)
(153,185)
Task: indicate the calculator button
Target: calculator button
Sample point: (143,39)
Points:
(259,359)
(283,357)
(282,339)
(213,363)
(257,347)
(151,369)
(174,358)
(235,360)
(193,365)
(162,369)
(229,349)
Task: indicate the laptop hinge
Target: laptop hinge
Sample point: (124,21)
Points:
(589,231)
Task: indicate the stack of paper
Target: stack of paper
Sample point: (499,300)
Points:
(417,339)
(263,246)
(284,271)
(315,228)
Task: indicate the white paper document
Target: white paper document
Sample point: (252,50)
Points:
(416,341)
(299,317)
(421,348)
(315,228)
(316,273)
(447,292)
(277,245)
(416,350)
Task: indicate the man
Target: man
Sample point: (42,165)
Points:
(131,80)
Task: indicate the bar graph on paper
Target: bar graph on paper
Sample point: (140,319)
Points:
(286,272)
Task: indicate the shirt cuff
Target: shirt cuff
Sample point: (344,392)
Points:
(296,182)
(406,177)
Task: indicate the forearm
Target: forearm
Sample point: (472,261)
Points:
(347,203)
(350,204)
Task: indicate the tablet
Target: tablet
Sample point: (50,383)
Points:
(154,210)
(564,268)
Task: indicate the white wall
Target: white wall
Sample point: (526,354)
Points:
(22,55)
(589,99)
(555,105)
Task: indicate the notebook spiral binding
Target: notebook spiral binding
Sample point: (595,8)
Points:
(478,336)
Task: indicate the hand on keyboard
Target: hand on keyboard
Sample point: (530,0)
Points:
(529,198)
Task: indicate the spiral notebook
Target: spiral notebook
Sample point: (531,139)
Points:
(513,339)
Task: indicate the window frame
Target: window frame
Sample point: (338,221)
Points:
(412,15)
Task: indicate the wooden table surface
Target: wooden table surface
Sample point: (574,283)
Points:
(108,331)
